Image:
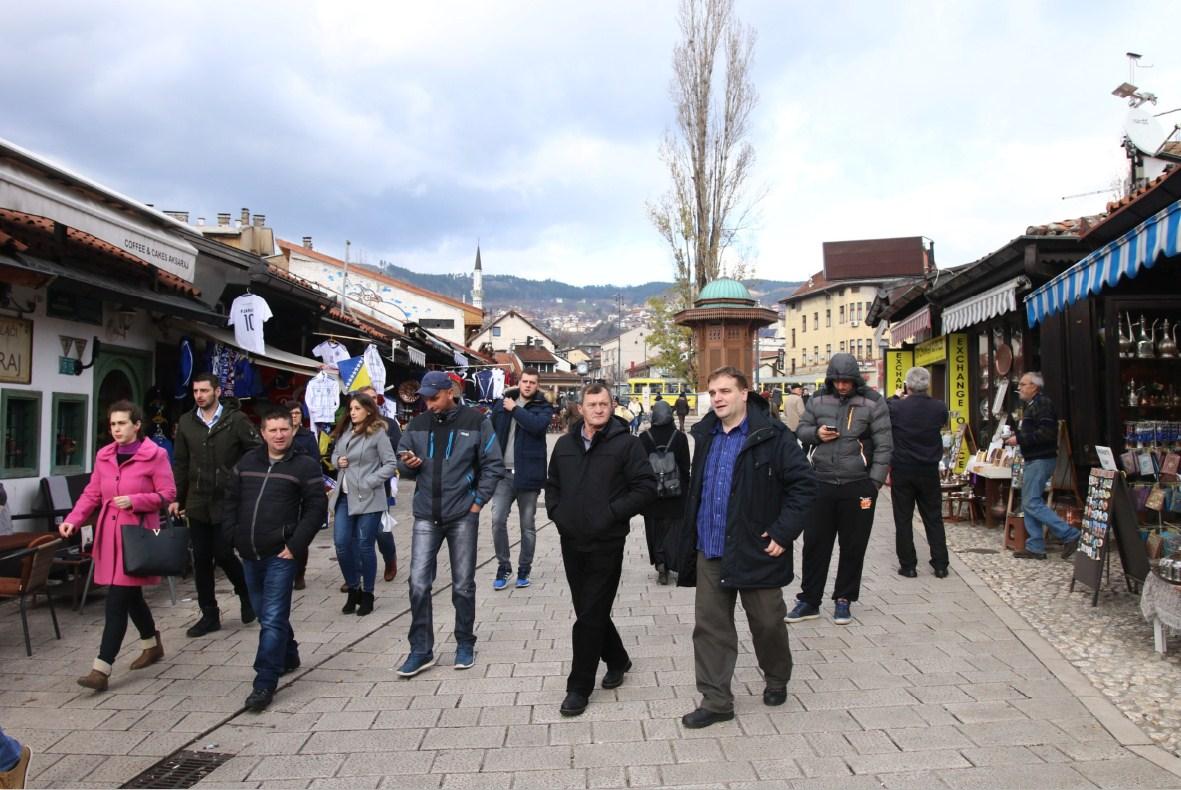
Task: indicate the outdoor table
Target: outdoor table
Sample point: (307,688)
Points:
(996,480)
(1160,603)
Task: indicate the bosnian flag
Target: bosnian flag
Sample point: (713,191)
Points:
(354,374)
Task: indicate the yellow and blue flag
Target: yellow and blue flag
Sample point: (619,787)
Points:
(354,375)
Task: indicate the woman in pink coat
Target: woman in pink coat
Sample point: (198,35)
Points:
(131,483)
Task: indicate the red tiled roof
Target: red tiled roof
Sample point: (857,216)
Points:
(336,315)
(815,283)
(1066,227)
(1171,148)
(1136,194)
(534,354)
(283,274)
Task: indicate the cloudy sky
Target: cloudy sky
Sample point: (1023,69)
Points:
(414,129)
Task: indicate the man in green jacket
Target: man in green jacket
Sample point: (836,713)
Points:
(210,440)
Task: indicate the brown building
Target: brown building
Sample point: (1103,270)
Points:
(725,320)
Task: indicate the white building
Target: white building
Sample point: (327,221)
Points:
(511,329)
(620,354)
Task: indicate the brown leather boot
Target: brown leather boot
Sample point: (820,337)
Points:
(153,652)
(97,679)
(391,570)
(15,776)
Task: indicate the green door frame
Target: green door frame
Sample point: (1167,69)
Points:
(134,363)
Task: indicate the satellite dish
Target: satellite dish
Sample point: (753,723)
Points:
(1144,131)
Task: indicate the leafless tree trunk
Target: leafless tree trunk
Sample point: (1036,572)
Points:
(708,155)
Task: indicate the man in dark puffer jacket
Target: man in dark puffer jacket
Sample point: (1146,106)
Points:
(599,477)
(274,504)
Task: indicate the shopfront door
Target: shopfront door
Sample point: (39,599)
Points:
(119,374)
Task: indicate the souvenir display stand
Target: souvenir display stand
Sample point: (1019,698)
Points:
(1108,517)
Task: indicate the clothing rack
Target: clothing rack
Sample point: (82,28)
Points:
(331,336)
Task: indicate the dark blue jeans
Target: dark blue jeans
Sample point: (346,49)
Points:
(10,752)
(355,537)
(426,540)
(269,582)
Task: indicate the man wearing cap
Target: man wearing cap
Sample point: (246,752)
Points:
(451,452)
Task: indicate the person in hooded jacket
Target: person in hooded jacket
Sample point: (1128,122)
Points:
(749,492)
(599,477)
(663,516)
(848,425)
(681,409)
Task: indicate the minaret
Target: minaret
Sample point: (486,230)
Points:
(478,282)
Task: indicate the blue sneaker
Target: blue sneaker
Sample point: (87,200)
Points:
(522,582)
(415,663)
(465,656)
(501,580)
(802,611)
(841,614)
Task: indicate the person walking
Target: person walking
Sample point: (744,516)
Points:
(275,503)
(385,540)
(793,407)
(366,460)
(520,420)
(662,517)
(636,407)
(1037,434)
(304,441)
(750,491)
(917,421)
(451,452)
(131,483)
(775,399)
(849,425)
(599,477)
(681,409)
(209,441)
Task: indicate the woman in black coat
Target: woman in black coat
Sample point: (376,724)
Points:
(663,517)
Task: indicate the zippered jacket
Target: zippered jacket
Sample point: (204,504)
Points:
(461,463)
(533,419)
(272,505)
(203,457)
(1037,433)
(865,444)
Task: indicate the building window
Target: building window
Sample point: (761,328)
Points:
(804,328)
(828,317)
(793,338)
(793,366)
(20,417)
(859,349)
(868,349)
(816,321)
(734,332)
(842,346)
(815,353)
(828,350)
(842,314)
(714,333)
(496,331)
(855,289)
(860,315)
(69,434)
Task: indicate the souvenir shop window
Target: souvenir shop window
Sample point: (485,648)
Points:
(20,417)
(68,433)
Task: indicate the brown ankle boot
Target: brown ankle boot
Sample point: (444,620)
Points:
(97,679)
(153,652)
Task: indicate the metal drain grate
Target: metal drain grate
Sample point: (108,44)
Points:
(981,551)
(181,769)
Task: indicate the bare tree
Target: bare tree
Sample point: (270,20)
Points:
(708,154)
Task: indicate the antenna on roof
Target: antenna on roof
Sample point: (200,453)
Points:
(1128,90)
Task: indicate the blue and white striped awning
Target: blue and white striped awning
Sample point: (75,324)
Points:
(1140,248)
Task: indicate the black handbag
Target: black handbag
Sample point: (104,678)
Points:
(155,552)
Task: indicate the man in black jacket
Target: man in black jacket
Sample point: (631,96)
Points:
(917,422)
(275,502)
(749,491)
(599,477)
(209,441)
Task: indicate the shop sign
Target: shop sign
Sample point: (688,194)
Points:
(897,363)
(959,399)
(16,350)
(931,352)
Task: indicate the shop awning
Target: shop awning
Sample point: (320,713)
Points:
(983,306)
(1139,248)
(273,358)
(909,327)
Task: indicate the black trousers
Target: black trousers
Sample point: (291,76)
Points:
(124,602)
(593,577)
(921,486)
(843,512)
(210,548)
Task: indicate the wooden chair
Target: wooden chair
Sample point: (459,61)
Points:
(35,567)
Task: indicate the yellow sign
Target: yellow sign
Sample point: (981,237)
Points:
(16,350)
(959,397)
(931,352)
(897,363)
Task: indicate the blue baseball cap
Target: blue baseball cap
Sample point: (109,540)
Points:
(433,383)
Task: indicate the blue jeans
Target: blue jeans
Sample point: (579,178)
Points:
(269,583)
(10,751)
(354,537)
(1037,513)
(502,502)
(426,539)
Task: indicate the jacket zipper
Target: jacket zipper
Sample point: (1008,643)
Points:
(257,502)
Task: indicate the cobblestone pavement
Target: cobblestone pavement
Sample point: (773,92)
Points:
(1111,644)
(938,683)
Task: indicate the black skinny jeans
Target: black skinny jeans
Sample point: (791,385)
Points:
(123,602)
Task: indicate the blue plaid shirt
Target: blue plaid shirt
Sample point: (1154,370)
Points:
(715,488)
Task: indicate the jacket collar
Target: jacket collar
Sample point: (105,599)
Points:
(147,450)
(759,426)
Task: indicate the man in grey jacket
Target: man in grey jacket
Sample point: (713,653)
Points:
(452,453)
(849,425)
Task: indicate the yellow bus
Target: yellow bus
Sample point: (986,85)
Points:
(647,390)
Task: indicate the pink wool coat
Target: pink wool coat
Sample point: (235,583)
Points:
(147,479)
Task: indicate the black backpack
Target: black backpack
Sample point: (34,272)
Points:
(668,474)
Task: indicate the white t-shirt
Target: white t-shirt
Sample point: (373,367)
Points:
(322,397)
(376,368)
(331,352)
(247,315)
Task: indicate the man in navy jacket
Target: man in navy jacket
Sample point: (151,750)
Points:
(520,423)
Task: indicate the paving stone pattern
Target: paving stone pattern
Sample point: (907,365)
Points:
(937,683)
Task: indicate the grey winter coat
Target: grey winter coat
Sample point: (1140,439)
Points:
(371,463)
(865,443)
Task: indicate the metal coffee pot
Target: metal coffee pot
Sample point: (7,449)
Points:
(1166,347)
(1146,339)
(1127,343)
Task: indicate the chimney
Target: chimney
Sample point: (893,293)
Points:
(223,220)
(180,216)
(245,217)
(307,242)
(260,220)
(200,222)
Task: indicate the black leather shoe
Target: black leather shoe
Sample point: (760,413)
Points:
(909,573)
(248,615)
(573,705)
(774,697)
(703,718)
(941,573)
(259,699)
(210,621)
(614,677)
(1068,548)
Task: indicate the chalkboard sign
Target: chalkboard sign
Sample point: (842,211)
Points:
(1108,516)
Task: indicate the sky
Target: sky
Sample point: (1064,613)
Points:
(416,131)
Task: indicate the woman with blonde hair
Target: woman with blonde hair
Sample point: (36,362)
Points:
(366,460)
(131,483)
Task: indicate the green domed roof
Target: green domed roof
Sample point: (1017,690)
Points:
(725,292)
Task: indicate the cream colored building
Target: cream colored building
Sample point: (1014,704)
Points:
(622,353)
(823,318)
(509,330)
